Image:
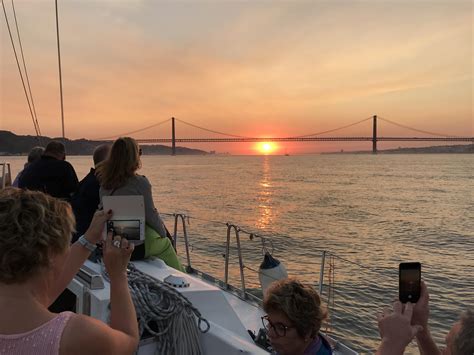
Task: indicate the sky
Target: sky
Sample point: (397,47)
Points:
(248,68)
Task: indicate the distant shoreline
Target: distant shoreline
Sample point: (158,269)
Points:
(17,145)
(443,149)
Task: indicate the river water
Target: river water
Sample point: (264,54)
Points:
(370,212)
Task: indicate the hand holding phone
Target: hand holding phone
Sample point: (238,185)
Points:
(409,282)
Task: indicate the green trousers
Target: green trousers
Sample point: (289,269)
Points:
(162,248)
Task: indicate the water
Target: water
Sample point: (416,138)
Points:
(372,212)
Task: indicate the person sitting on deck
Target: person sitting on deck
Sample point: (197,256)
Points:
(34,155)
(399,327)
(37,263)
(293,320)
(86,200)
(117,176)
(51,174)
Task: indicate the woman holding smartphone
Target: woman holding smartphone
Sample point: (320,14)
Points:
(37,263)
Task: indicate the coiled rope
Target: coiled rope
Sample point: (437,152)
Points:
(165,313)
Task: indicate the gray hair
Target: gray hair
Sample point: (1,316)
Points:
(464,340)
(101,153)
(35,154)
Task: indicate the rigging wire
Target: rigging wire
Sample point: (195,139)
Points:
(416,129)
(25,69)
(60,71)
(210,130)
(19,70)
(332,130)
(136,131)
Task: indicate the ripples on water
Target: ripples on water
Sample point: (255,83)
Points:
(371,211)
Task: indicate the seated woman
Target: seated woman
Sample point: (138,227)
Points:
(293,320)
(37,263)
(117,176)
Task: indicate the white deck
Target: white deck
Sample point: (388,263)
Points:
(229,316)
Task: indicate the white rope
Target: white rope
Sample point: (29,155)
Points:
(165,313)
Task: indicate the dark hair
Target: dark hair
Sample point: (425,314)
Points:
(300,303)
(55,147)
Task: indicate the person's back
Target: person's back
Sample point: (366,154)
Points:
(44,339)
(117,176)
(51,174)
(85,200)
(34,155)
(139,185)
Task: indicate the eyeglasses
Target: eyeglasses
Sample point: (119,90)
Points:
(279,328)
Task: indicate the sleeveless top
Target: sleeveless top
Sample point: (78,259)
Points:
(44,339)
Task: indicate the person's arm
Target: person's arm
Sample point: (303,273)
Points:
(395,329)
(78,254)
(426,344)
(116,258)
(421,313)
(85,335)
(152,217)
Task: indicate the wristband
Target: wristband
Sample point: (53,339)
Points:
(86,244)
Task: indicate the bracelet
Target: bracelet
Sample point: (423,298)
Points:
(86,244)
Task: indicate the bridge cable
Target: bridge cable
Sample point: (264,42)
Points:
(209,130)
(24,67)
(417,130)
(136,131)
(19,70)
(332,130)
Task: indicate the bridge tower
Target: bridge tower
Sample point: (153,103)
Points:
(173,137)
(374,135)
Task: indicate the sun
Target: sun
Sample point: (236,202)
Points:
(266,147)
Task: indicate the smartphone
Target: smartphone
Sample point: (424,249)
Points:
(129,229)
(409,282)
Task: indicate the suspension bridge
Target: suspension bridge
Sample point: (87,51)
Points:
(374,138)
(313,137)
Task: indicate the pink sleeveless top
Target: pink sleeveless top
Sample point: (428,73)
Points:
(42,340)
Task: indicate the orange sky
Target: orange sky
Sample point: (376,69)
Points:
(247,68)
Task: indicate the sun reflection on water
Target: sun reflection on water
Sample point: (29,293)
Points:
(265,196)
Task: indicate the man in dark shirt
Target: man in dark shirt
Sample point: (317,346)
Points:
(51,174)
(86,199)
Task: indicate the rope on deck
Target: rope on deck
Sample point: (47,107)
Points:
(166,314)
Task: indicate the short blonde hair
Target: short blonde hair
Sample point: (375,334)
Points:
(33,226)
(122,163)
(300,303)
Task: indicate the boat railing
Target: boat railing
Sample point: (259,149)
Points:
(6,177)
(353,299)
(232,244)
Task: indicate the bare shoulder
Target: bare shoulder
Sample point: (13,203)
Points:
(86,335)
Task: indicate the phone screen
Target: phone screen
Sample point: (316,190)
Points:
(128,229)
(409,282)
